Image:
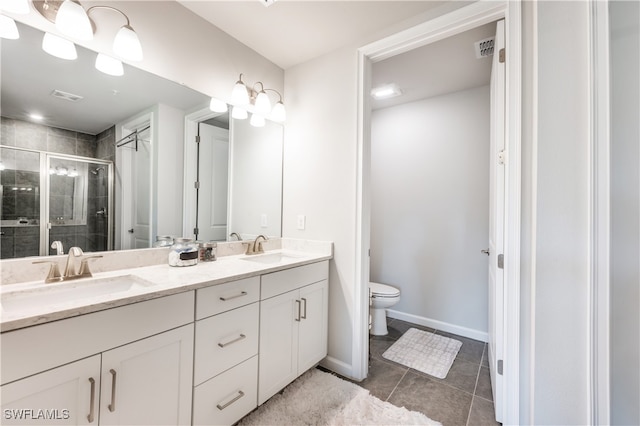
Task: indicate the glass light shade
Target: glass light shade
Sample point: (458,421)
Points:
(15,6)
(239,113)
(257,120)
(109,65)
(216,105)
(72,21)
(8,28)
(59,47)
(240,95)
(279,113)
(127,45)
(263,105)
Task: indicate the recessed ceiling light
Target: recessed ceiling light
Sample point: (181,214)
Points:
(386,91)
(36,116)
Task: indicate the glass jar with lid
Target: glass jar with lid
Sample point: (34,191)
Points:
(183,252)
(163,241)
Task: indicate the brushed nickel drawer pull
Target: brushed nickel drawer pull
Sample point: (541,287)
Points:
(92,400)
(222,407)
(112,406)
(242,293)
(298,303)
(304,310)
(237,339)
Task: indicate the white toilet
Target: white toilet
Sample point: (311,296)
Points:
(383,296)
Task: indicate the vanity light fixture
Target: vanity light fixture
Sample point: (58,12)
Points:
(257,120)
(126,44)
(216,105)
(239,113)
(242,96)
(72,21)
(8,28)
(59,47)
(109,65)
(15,6)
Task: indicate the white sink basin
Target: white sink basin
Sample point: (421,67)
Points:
(71,291)
(269,258)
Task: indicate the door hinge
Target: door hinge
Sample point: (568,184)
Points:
(196,231)
(502,56)
(500,367)
(502,157)
(197,138)
(196,184)
(501,261)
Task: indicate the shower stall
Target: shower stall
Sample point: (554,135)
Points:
(51,202)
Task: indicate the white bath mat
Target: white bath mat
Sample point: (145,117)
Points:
(424,351)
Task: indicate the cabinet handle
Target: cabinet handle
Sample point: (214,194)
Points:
(224,299)
(222,407)
(298,303)
(112,406)
(92,400)
(304,310)
(237,339)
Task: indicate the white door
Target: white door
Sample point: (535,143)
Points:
(67,395)
(149,382)
(213,164)
(313,325)
(496,223)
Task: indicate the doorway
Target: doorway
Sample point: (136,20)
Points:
(463,19)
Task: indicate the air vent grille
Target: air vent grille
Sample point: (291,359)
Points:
(66,96)
(484,47)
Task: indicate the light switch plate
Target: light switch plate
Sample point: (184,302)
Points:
(263,220)
(301,221)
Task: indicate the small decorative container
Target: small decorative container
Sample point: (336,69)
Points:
(208,251)
(184,252)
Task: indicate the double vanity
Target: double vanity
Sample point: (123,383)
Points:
(156,344)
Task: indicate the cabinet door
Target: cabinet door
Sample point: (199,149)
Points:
(312,333)
(66,395)
(148,382)
(278,344)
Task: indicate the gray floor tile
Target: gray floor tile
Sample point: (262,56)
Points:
(377,346)
(462,375)
(483,389)
(383,378)
(400,327)
(485,356)
(471,350)
(436,400)
(482,413)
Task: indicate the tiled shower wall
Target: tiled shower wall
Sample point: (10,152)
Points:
(24,241)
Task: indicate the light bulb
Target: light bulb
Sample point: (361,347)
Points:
(72,20)
(8,28)
(216,105)
(127,44)
(263,105)
(257,120)
(240,95)
(239,113)
(279,113)
(109,65)
(59,47)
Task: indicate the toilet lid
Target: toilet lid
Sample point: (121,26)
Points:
(383,290)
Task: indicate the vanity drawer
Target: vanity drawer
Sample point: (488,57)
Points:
(283,281)
(224,340)
(224,297)
(228,397)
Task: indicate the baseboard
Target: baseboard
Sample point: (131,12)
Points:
(337,366)
(440,325)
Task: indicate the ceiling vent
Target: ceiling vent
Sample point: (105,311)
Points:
(66,96)
(484,47)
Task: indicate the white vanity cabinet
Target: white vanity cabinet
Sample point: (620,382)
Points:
(293,325)
(226,352)
(128,365)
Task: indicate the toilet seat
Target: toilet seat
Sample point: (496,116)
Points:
(383,291)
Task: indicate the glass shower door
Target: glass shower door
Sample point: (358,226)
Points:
(20,205)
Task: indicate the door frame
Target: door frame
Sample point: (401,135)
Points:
(453,23)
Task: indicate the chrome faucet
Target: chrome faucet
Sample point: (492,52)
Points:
(69,270)
(57,246)
(236,235)
(256,246)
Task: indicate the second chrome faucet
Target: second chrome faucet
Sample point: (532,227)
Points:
(255,247)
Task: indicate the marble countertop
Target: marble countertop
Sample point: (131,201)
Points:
(155,281)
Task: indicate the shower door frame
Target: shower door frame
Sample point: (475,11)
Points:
(44,222)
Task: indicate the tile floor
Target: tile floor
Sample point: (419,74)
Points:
(462,398)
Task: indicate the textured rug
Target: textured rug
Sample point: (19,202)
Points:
(319,398)
(424,351)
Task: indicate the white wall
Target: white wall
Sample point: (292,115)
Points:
(625,212)
(430,208)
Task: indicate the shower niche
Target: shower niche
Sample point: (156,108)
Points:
(50,197)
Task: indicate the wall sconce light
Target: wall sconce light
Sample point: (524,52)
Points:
(8,28)
(242,96)
(59,47)
(73,21)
